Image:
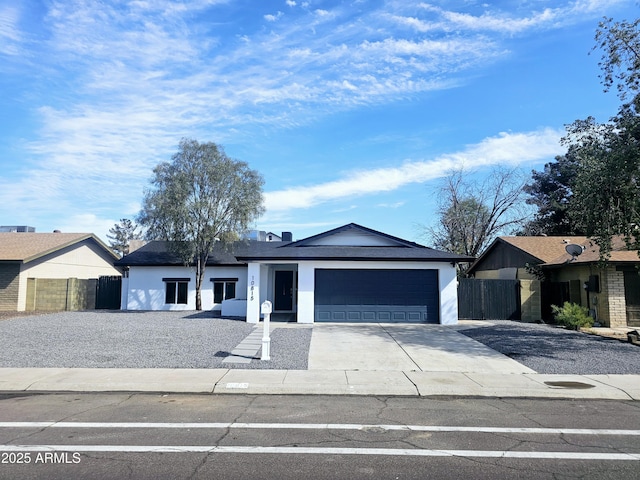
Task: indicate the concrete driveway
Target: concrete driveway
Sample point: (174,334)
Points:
(403,347)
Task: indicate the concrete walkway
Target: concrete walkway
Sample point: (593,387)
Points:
(377,359)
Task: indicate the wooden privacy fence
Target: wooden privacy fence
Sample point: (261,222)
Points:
(108,293)
(480,299)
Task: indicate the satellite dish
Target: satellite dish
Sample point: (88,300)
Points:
(574,250)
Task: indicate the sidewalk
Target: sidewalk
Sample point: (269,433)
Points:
(320,382)
(347,359)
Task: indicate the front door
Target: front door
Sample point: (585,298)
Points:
(283,290)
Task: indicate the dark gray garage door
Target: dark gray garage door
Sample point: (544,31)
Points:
(360,295)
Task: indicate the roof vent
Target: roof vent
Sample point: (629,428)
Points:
(287,237)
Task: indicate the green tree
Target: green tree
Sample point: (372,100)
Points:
(200,200)
(607,186)
(121,234)
(551,191)
(471,214)
(620,63)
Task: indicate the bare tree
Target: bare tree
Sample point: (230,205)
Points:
(471,214)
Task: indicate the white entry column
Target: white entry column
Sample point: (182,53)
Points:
(253,293)
(306,289)
(448,296)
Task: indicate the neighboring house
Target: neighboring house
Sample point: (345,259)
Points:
(349,274)
(550,276)
(50,271)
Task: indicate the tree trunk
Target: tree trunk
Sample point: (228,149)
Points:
(199,277)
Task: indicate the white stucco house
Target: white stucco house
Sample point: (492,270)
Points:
(348,274)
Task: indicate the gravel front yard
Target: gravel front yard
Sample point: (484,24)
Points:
(140,340)
(113,339)
(550,349)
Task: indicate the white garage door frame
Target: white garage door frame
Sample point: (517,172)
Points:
(447,284)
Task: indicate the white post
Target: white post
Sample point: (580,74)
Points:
(266,339)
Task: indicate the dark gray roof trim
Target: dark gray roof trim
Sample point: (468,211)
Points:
(355,253)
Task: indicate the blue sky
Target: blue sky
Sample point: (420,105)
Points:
(352,110)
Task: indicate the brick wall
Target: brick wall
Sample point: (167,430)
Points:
(9,285)
(61,294)
(617,308)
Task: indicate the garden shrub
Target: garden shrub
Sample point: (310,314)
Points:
(572,315)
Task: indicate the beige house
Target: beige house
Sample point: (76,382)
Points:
(549,275)
(52,271)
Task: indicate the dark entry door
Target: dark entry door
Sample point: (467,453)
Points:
(283,294)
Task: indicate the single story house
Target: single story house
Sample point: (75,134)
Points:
(50,271)
(348,274)
(549,275)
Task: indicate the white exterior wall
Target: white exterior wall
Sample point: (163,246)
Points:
(146,290)
(447,280)
(83,261)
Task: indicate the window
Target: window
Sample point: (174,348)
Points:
(223,289)
(176,290)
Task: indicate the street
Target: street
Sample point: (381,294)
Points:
(172,436)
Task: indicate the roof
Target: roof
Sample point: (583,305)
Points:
(341,252)
(550,250)
(239,253)
(620,253)
(158,253)
(546,249)
(383,247)
(26,247)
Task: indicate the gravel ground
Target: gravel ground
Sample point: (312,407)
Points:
(550,349)
(107,339)
(140,340)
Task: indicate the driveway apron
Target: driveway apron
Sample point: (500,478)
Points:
(405,347)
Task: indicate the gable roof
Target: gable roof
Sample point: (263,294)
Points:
(375,246)
(550,251)
(354,228)
(310,248)
(28,246)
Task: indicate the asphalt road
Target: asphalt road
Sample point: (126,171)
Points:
(292,437)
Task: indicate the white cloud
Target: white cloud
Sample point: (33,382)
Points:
(391,205)
(139,78)
(506,148)
(291,3)
(494,20)
(273,18)
(10,35)
(88,223)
